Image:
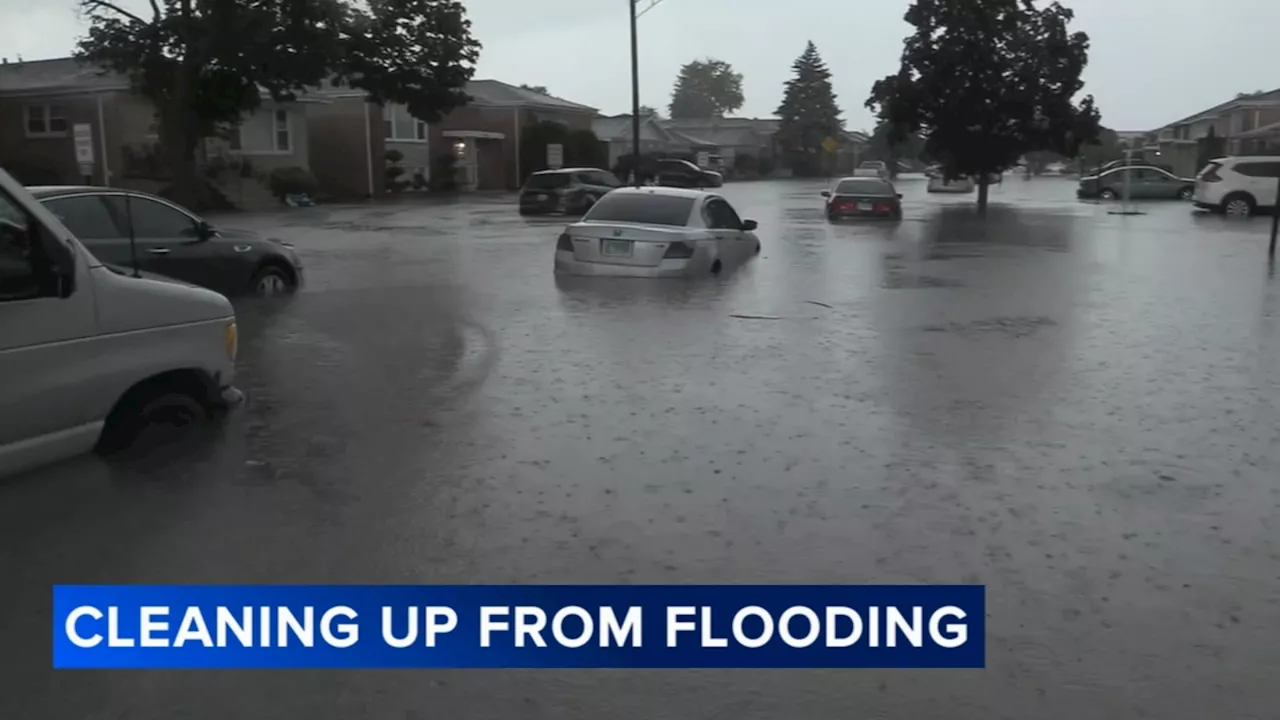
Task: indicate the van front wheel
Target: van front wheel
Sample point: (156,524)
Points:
(154,413)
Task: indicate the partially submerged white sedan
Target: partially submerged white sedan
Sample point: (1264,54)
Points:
(656,232)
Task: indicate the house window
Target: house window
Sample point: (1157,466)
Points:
(282,131)
(46,120)
(263,133)
(400,126)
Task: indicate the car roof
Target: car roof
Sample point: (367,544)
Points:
(44,192)
(1249,158)
(661,191)
(568,170)
(874,178)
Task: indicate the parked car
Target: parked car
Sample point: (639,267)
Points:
(674,172)
(863,197)
(95,357)
(868,173)
(1145,182)
(1238,186)
(880,168)
(172,241)
(656,232)
(571,191)
(1131,162)
(939,184)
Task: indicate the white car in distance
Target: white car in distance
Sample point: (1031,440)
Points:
(656,232)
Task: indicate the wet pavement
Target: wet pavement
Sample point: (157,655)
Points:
(1077,409)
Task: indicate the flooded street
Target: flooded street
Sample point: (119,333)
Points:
(1077,409)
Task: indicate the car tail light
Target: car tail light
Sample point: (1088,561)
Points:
(678,251)
(1210,173)
(564,243)
(882,207)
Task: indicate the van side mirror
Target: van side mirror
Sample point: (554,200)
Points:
(748,225)
(826,193)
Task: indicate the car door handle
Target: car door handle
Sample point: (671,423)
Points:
(158,251)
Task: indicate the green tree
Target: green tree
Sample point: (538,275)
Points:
(987,81)
(205,63)
(540,89)
(808,114)
(646,111)
(705,89)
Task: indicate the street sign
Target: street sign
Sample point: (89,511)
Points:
(555,156)
(704,160)
(83,135)
(830,144)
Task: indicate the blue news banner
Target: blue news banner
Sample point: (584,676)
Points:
(519,626)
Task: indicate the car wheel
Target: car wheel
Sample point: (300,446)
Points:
(270,281)
(1108,194)
(1238,205)
(1186,193)
(757,247)
(154,413)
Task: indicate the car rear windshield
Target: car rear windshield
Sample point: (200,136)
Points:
(547,182)
(641,208)
(863,187)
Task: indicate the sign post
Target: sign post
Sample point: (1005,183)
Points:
(1275,220)
(83,135)
(555,156)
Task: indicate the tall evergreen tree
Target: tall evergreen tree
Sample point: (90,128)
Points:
(808,114)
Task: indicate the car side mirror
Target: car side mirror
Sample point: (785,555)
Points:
(899,196)
(748,225)
(204,231)
(826,193)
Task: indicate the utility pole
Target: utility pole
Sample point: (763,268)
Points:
(635,99)
(1275,221)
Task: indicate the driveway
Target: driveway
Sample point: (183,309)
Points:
(1080,410)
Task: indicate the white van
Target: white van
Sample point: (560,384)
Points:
(91,356)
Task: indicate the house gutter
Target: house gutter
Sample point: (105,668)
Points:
(368,147)
(102,142)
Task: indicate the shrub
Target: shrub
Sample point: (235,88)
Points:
(394,156)
(444,171)
(745,164)
(764,166)
(292,181)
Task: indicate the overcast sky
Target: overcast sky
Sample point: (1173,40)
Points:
(1152,61)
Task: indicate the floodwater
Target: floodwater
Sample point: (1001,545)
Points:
(1077,409)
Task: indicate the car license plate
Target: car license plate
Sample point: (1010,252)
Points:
(616,248)
(864,207)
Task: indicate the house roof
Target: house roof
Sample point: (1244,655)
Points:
(1271,97)
(485,93)
(618,127)
(1272,130)
(494,92)
(722,132)
(57,75)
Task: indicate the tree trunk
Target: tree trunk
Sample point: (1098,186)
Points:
(983,186)
(178,141)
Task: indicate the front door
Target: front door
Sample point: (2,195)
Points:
(167,241)
(42,373)
(727,227)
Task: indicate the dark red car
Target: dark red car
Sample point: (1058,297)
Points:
(855,197)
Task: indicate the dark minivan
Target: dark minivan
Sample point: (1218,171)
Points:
(571,191)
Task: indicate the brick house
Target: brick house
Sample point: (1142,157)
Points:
(1249,124)
(41,101)
(350,137)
